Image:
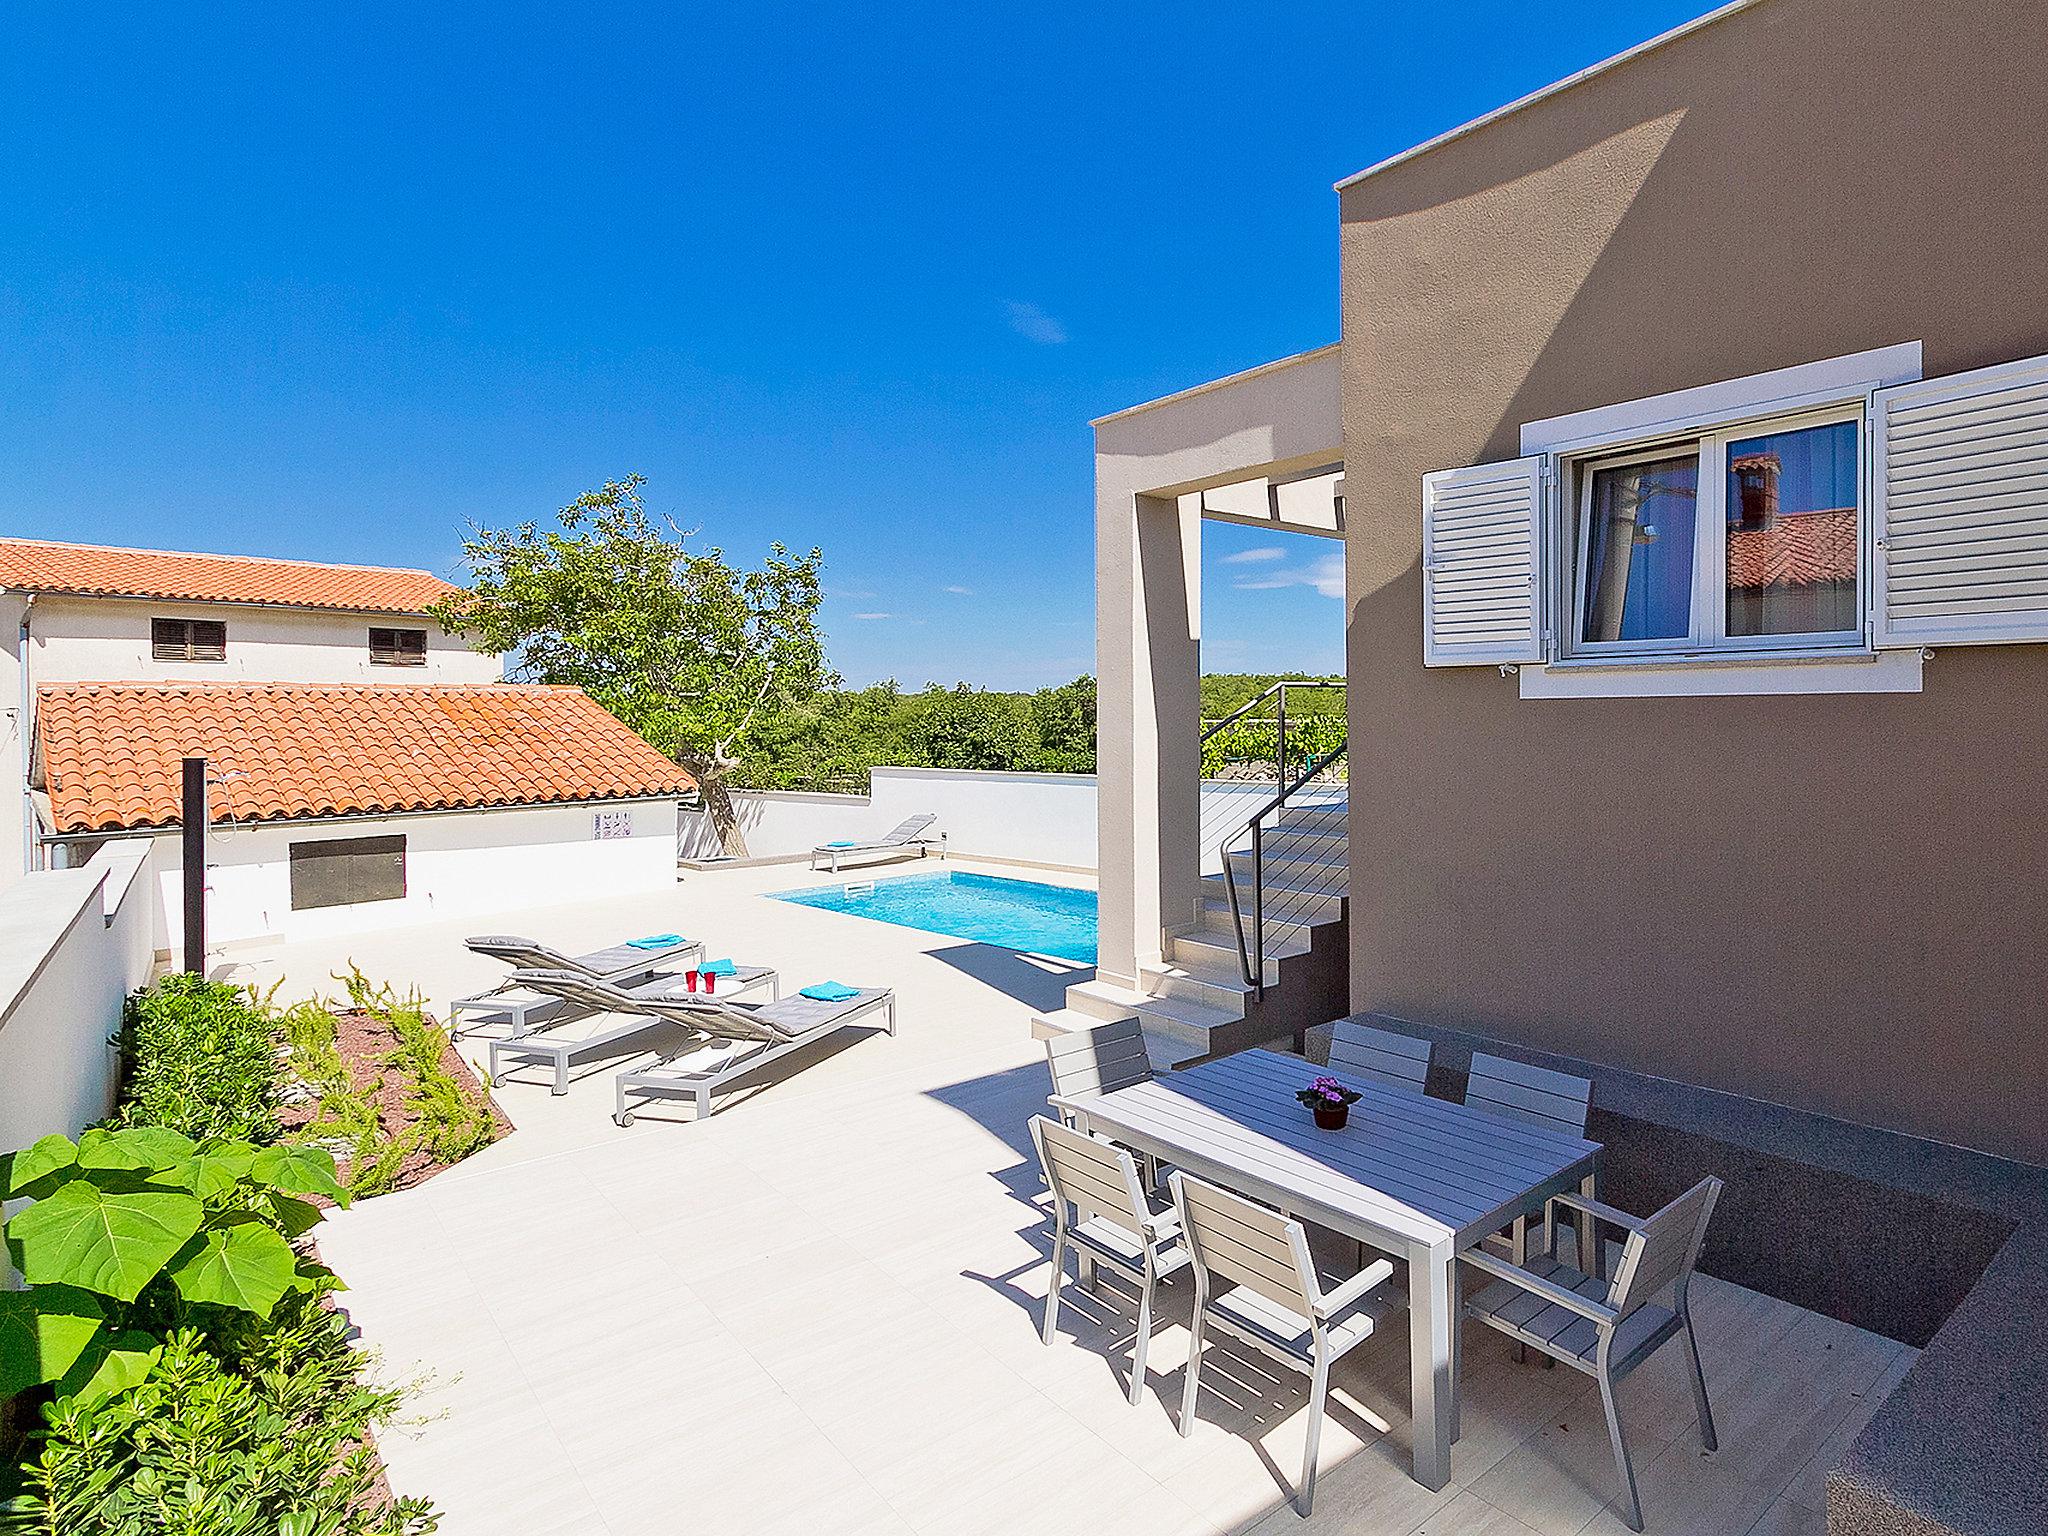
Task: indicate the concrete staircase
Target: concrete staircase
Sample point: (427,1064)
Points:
(1195,1002)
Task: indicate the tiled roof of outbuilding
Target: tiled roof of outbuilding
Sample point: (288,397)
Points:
(109,754)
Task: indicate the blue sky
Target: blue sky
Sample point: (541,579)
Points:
(329,285)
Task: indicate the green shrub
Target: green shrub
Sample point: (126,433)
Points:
(225,1435)
(200,1059)
(450,1121)
(131,1234)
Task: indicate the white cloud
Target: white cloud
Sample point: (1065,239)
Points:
(1034,324)
(1257,556)
(871,616)
(959,591)
(1326,576)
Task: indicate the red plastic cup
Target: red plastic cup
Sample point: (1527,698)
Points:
(690,978)
(711,981)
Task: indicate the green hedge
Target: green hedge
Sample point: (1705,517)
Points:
(175,1331)
(225,1436)
(199,1058)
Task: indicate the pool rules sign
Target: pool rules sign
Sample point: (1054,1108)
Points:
(610,824)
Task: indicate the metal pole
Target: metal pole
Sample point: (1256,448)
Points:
(1258,911)
(1282,735)
(193,814)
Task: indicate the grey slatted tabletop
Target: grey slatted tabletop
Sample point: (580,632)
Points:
(1416,1176)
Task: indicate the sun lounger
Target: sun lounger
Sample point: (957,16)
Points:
(520,1012)
(626,1012)
(708,1064)
(728,1039)
(908,835)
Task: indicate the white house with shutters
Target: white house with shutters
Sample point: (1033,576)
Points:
(72,613)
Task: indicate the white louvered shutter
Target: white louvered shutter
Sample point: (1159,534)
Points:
(1960,514)
(1482,561)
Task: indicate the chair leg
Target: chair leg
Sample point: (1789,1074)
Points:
(1699,1386)
(1052,1295)
(1520,1240)
(1319,1389)
(1634,1513)
(1191,1386)
(1144,1339)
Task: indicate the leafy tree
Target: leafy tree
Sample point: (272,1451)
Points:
(1065,717)
(689,650)
(975,729)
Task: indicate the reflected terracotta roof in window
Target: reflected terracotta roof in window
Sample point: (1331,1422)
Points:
(97,570)
(1796,549)
(109,754)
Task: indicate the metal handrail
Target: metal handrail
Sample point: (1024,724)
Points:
(1251,952)
(1271,689)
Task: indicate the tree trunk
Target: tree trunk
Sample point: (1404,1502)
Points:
(725,820)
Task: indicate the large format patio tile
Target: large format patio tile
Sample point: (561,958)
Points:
(818,1312)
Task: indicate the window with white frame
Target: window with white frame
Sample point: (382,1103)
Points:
(1838,511)
(1748,538)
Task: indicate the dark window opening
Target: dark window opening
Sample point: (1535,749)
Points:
(188,639)
(398,647)
(342,871)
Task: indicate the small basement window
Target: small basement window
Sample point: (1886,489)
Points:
(188,640)
(344,871)
(1743,540)
(398,647)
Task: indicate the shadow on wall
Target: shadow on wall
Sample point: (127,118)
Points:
(1037,981)
(696,838)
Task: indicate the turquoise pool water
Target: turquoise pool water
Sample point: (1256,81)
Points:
(1017,914)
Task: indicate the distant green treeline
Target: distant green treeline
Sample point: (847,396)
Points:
(831,743)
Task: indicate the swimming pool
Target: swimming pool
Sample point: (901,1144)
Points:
(1053,920)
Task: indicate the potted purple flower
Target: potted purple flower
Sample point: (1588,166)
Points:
(1331,1101)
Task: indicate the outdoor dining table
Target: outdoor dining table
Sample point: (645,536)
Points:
(1416,1177)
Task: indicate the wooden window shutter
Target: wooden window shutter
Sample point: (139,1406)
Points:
(1960,508)
(1482,564)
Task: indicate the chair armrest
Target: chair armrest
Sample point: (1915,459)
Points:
(1536,1285)
(1338,1297)
(1598,1210)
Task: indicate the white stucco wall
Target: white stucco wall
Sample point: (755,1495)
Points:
(105,640)
(73,944)
(478,861)
(82,639)
(1034,818)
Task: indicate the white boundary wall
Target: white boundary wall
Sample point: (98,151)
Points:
(1027,818)
(458,863)
(73,944)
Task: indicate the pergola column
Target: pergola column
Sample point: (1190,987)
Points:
(1276,423)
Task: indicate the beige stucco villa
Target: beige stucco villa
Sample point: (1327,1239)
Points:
(1688,442)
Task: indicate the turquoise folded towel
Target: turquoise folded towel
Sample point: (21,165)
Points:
(839,845)
(831,992)
(718,968)
(656,941)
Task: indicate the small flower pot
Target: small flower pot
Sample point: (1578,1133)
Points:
(1332,1117)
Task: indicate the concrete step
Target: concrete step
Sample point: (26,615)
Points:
(1313,818)
(1214,985)
(1215,923)
(1183,1024)
(1332,846)
(1303,909)
(1215,949)
(1299,869)
(1103,1001)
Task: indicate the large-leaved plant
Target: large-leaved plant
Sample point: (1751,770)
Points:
(132,1233)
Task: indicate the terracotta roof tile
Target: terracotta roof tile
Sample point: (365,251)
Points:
(95,570)
(1797,549)
(110,753)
